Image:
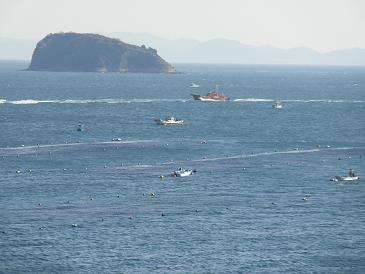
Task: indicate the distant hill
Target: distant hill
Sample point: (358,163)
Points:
(212,51)
(234,52)
(94,53)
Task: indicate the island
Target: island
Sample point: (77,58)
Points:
(86,52)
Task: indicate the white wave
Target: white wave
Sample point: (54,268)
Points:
(29,102)
(259,100)
(128,101)
(253,100)
(324,101)
(88,101)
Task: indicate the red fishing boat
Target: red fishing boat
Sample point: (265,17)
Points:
(211,96)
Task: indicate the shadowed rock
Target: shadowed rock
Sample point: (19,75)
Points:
(94,53)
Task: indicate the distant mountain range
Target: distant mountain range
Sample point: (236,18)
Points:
(211,51)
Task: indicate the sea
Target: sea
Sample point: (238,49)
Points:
(261,199)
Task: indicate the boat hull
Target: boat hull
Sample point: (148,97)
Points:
(205,98)
(347,178)
(169,123)
(183,173)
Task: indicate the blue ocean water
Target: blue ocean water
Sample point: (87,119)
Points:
(261,200)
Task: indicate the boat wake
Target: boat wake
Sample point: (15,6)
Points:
(253,100)
(89,101)
(130,101)
(258,100)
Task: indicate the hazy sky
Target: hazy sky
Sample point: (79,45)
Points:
(321,24)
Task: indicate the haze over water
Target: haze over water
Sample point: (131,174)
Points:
(261,200)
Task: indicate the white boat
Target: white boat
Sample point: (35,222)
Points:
(347,178)
(117,139)
(277,104)
(182,172)
(169,121)
(193,85)
(350,177)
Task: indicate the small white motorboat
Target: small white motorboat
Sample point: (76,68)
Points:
(169,121)
(117,139)
(277,104)
(350,177)
(193,85)
(182,172)
(346,178)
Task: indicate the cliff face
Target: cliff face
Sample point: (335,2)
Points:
(94,53)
